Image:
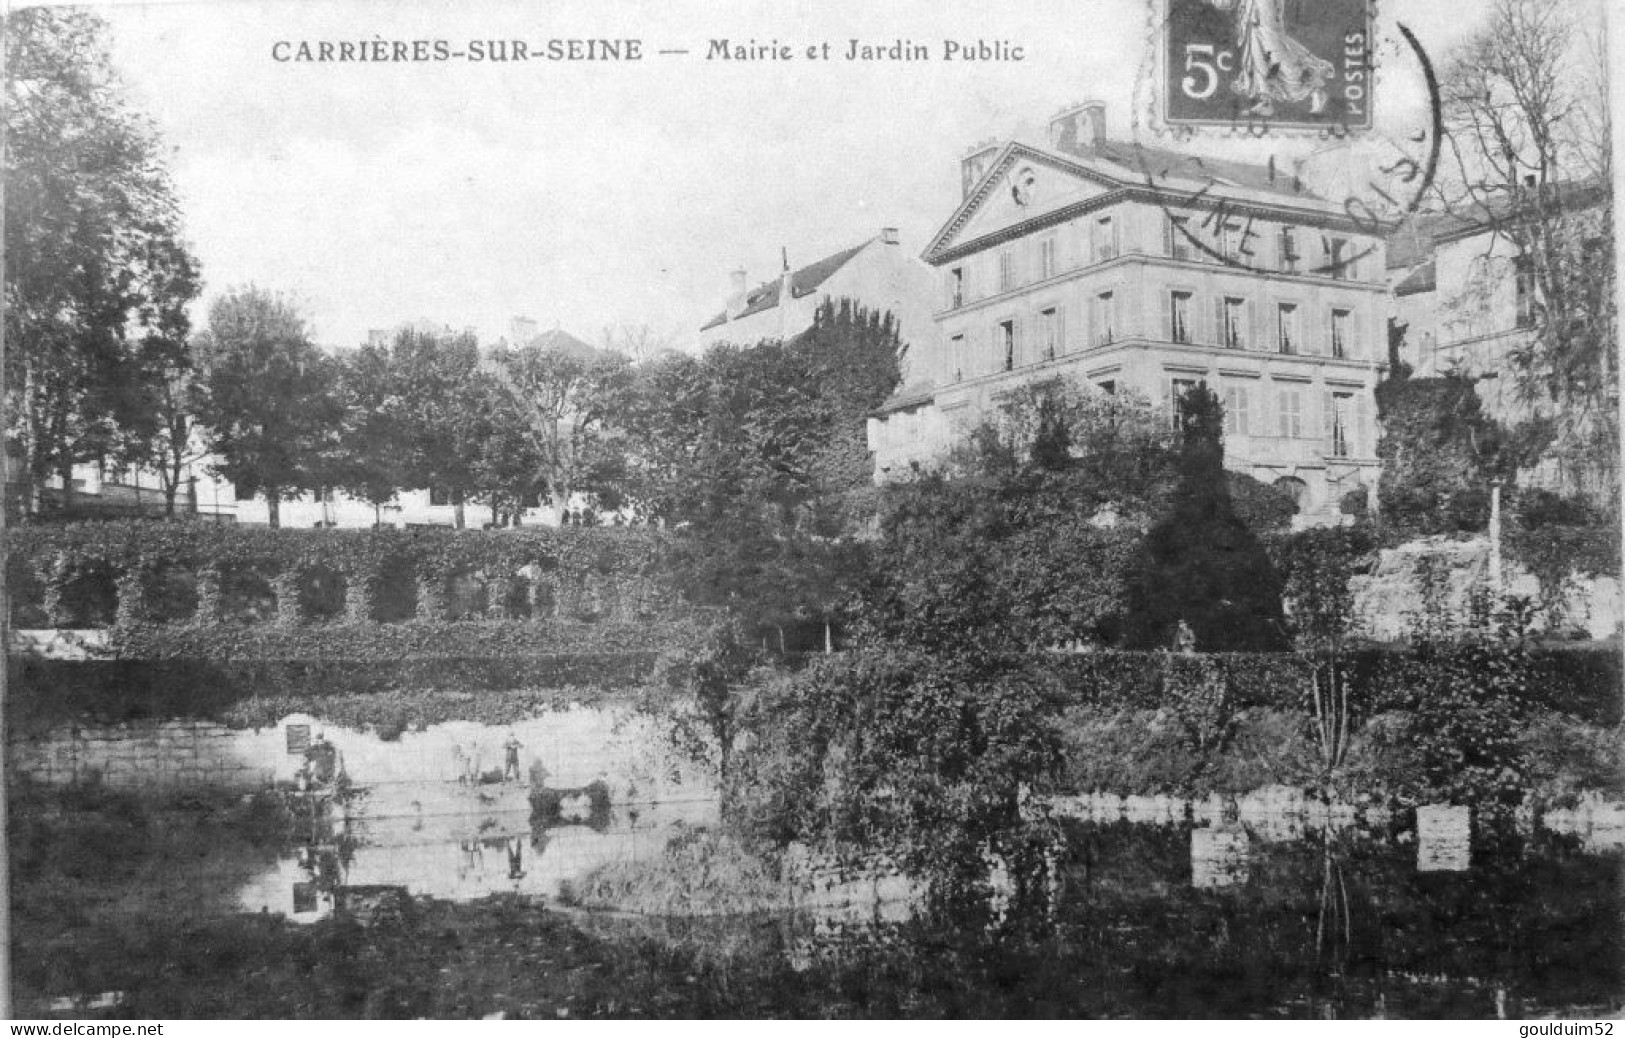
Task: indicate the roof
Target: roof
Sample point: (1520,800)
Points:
(1162,163)
(561,341)
(1424,278)
(1134,168)
(802,282)
(1417,236)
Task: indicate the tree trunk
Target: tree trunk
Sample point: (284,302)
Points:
(273,507)
(457,510)
(377,515)
(67,487)
(829,639)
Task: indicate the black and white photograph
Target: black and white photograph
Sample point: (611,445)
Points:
(934,511)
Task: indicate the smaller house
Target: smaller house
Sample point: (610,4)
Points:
(877,274)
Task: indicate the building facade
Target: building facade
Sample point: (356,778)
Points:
(1135,269)
(877,274)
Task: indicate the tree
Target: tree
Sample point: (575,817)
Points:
(1527,121)
(97,278)
(268,402)
(443,394)
(507,470)
(568,403)
(370,463)
(1200,565)
(162,431)
(1022,544)
(759,454)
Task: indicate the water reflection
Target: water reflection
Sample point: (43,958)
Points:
(1444,837)
(1218,858)
(461,855)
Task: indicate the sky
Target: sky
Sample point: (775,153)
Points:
(589,195)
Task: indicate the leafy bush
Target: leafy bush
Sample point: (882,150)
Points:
(891,747)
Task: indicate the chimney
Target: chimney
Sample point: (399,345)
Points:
(888,235)
(736,294)
(784,276)
(975,163)
(1079,129)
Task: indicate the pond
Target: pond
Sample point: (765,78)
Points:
(452,908)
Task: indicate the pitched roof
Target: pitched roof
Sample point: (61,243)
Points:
(802,282)
(1162,163)
(1128,166)
(560,341)
(1414,240)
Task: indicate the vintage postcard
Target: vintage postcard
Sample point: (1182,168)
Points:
(560,510)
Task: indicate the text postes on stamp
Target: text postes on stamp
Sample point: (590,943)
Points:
(1286,63)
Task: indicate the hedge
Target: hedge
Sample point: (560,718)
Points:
(1583,681)
(492,641)
(45,693)
(595,570)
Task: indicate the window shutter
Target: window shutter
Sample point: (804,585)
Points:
(1218,320)
(1018,340)
(1328,414)
(1117,236)
(1060,330)
(1168,233)
(1119,325)
(1362,412)
(1254,339)
(1167,316)
(1282,416)
(1243,419)
(1091,307)
(1356,346)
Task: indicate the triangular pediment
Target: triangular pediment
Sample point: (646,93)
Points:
(1020,184)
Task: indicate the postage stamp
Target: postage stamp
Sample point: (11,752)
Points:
(1290,63)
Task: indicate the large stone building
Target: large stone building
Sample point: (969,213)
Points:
(1151,270)
(877,273)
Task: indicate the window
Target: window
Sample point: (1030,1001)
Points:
(439,496)
(1337,258)
(1340,334)
(1007,271)
(1103,319)
(1053,338)
(956,287)
(1524,280)
(1046,258)
(956,354)
(1179,316)
(1286,322)
(1108,386)
(1287,249)
(1233,323)
(1176,237)
(1006,338)
(1341,420)
(1177,388)
(1291,413)
(1236,419)
(1230,239)
(1105,239)
(242,495)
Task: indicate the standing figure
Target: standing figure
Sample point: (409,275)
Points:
(1271,66)
(510,762)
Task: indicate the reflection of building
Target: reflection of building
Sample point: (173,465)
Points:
(876,274)
(1152,270)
